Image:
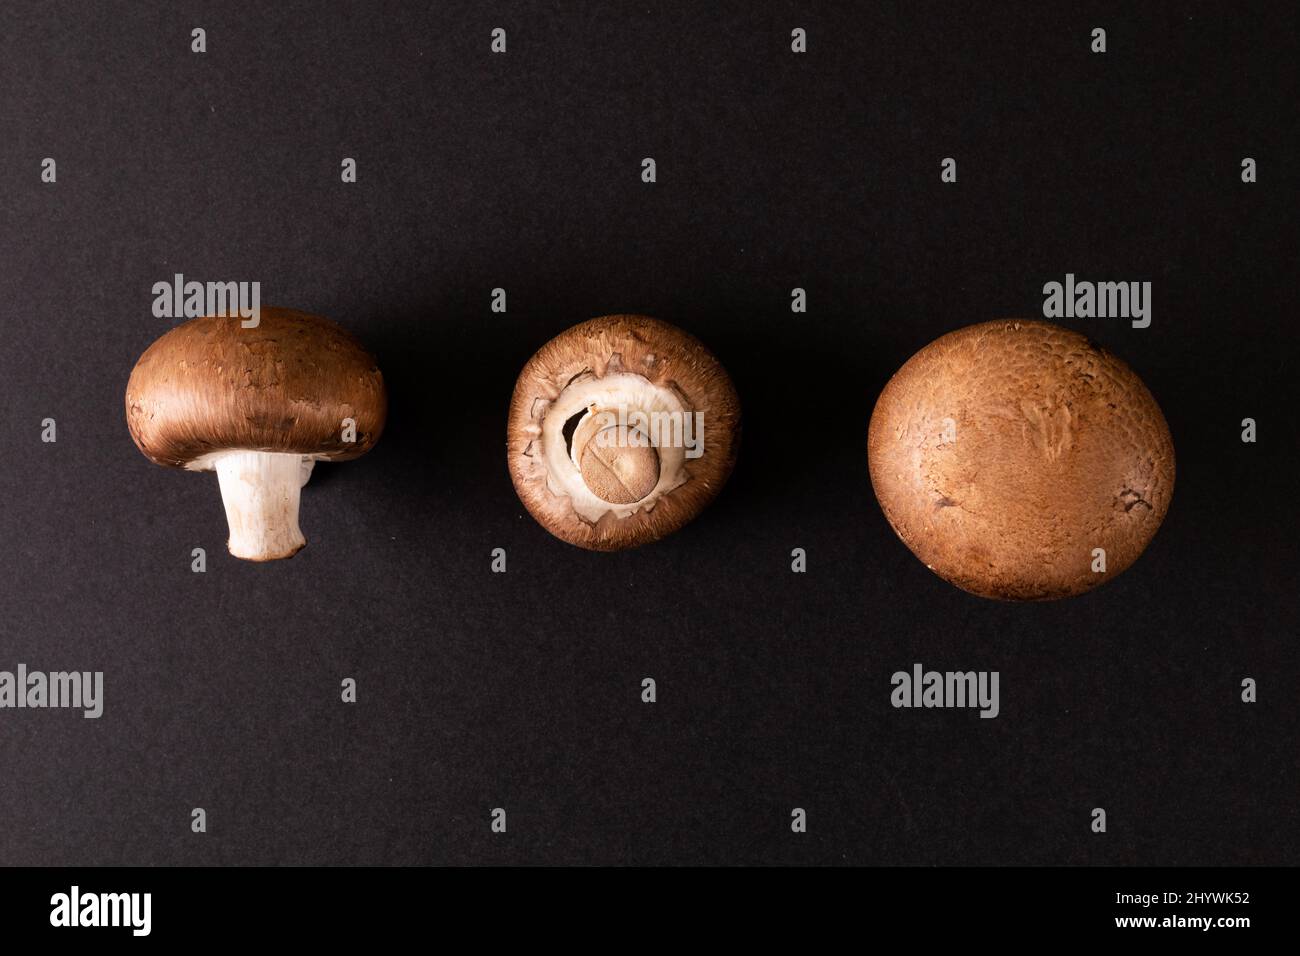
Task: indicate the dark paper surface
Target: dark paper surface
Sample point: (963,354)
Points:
(521,691)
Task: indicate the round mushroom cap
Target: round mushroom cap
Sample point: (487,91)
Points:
(1005,453)
(605,482)
(285,385)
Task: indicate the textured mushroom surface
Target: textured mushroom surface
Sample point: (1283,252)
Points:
(581,453)
(211,385)
(1005,453)
(259,406)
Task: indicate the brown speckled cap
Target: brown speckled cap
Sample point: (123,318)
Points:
(596,497)
(1004,453)
(211,385)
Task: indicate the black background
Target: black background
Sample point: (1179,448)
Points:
(522,171)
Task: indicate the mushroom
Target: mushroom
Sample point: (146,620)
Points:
(1005,454)
(260,406)
(621,430)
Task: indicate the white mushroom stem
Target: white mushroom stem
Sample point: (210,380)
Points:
(260,491)
(633,394)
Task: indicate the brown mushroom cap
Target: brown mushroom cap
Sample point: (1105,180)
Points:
(1003,453)
(602,351)
(286,385)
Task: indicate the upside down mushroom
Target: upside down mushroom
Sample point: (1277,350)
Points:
(259,406)
(621,430)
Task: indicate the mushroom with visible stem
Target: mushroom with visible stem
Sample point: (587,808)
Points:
(621,430)
(259,406)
